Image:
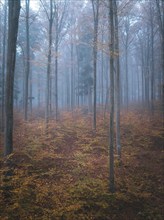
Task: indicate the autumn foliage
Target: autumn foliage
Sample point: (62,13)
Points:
(63,173)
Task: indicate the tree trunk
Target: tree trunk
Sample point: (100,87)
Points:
(111,139)
(13,20)
(47,112)
(117,89)
(72,76)
(152,56)
(126,78)
(56,63)
(27,61)
(160,10)
(95,6)
(3,66)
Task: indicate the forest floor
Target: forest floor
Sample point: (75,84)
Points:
(64,174)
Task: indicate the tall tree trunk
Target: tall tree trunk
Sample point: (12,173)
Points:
(102,79)
(95,7)
(78,77)
(27,61)
(56,62)
(13,20)
(117,89)
(72,76)
(160,10)
(0,55)
(126,77)
(39,90)
(67,91)
(111,138)
(142,72)
(47,112)
(3,65)
(30,89)
(147,71)
(152,68)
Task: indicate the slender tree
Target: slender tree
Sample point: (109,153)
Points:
(27,70)
(95,7)
(160,13)
(59,24)
(117,84)
(13,20)
(3,64)
(56,59)
(152,55)
(111,138)
(126,82)
(50,16)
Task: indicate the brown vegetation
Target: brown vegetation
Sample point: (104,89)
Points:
(64,174)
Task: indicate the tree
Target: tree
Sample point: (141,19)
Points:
(95,7)
(3,64)
(13,20)
(50,16)
(84,58)
(111,138)
(117,84)
(160,13)
(27,60)
(60,15)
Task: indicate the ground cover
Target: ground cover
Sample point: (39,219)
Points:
(64,174)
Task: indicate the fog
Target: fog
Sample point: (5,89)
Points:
(68,60)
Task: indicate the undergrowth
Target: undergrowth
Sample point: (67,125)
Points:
(62,173)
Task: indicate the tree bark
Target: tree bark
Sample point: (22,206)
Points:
(95,6)
(72,75)
(111,139)
(27,61)
(50,18)
(56,66)
(160,10)
(13,20)
(117,89)
(152,63)
(3,66)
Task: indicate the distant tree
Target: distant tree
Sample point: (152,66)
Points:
(152,72)
(13,20)
(27,61)
(95,7)
(117,84)
(50,16)
(36,39)
(160,16)
(60,24)
(126,41)
(84,56)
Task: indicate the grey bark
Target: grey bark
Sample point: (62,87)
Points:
(56,62)
(3,66)
(72,76)
(160,10)
(152,59)
(126,63)
(13,20)
(95,7)
(117,89)
(27,61)
(111,138)
(50,17)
